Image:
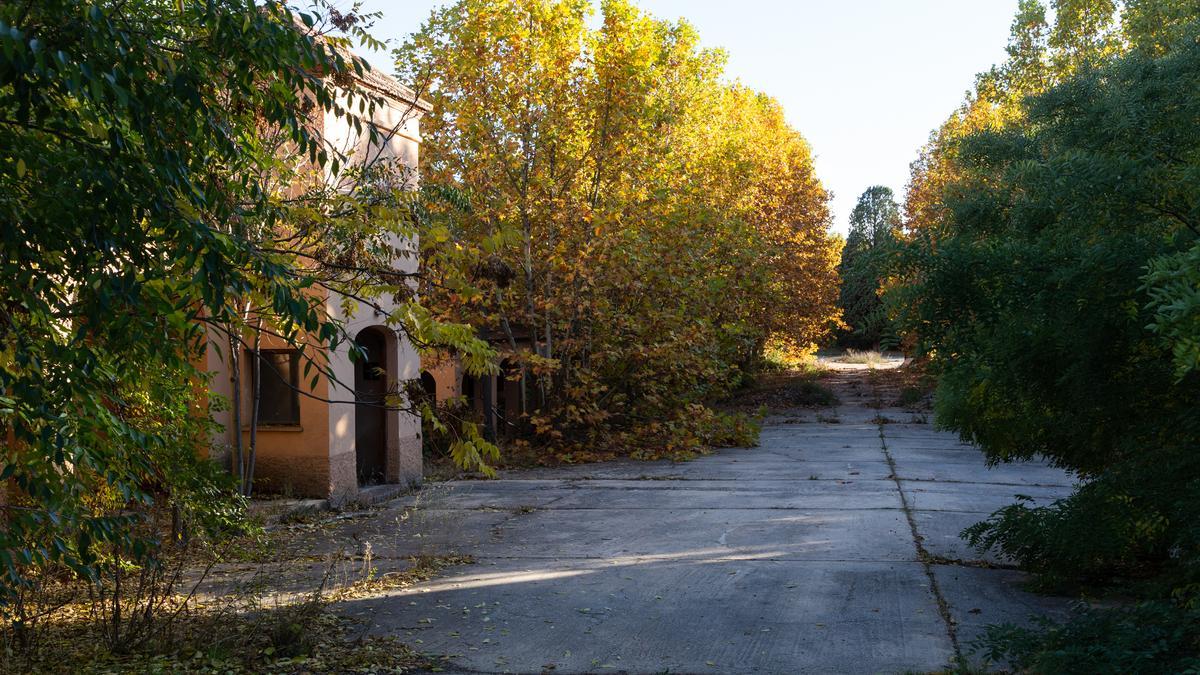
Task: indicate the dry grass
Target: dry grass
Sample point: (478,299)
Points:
(227,613)
(864,357)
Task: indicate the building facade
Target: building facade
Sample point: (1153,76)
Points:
(333,438)
(494,399)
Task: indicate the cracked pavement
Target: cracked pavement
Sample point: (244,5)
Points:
(833,548)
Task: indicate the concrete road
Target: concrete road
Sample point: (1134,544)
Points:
(831,548)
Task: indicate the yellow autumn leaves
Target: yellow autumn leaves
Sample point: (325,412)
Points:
(659,223)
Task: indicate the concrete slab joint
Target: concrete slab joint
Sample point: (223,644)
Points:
(821,551)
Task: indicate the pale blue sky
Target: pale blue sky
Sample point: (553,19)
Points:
(865,81)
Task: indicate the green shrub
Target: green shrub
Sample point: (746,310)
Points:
(1151,637)
(1051,277)
(1035,298)
(1130,522)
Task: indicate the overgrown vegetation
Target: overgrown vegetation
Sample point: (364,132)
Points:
(1053,224)
(162,192)
(1150,637)
(637,228)
(782,390)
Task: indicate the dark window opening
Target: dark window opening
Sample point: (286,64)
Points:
(468,388)
(429,386)
(279,397)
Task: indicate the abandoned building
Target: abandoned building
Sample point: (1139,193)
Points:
(494,399)
(335,438)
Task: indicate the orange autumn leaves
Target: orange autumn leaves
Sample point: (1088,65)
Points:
(652,225)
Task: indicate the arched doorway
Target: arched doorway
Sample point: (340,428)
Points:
(370,413)
(429,386)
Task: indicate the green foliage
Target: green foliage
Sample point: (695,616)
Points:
(729,429)
(1150,637)
(1132,521)
(1035,297)
(471,451)
(874,224)
(1173,286)
(161,185)
(119,150)
(1050,270)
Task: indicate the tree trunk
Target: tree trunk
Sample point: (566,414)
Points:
(248,473)
(512,344)
(529,291)
(235,377)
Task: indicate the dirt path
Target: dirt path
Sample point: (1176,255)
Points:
(832,547)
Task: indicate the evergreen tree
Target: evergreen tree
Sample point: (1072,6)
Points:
(874,224)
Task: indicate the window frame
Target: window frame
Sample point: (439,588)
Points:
(291,381)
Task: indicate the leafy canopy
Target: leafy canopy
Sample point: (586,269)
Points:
(874,224)
(1052,234)
(644,227)
(161,182)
